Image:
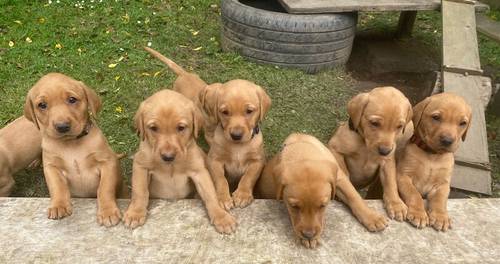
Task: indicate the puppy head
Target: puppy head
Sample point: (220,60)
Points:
(380,116)
(237,105)
(306,190)
(168,122)
(442,120)
(61,106)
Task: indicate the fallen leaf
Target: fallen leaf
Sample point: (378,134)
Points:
(118,109)
(145,74)
(58,46)
(117,77)
(11,43)
(28,40)
(41,20)
(18,22)
(156,73)
(112,65)
(197,49)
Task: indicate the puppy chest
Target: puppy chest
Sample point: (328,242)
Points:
(82,176)
(428,175)
(170,185)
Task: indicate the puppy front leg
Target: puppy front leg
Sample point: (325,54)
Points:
(216,169)
(416,209)
(438,213)
(60,197)
(108,213)
(372,220)
(243,195)
(6,183)
(136,212)
(220,218)
(395,207)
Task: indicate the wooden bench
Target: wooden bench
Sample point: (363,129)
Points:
(408,9)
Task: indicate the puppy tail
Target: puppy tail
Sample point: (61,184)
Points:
(172,65)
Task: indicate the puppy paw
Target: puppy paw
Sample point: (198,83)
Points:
(134,218)
(374,221)
(224,223)
(108,216)
(417,217)
(242,198)
(439,221)
(396,210)
(309,243)
(225,202)
(59,211)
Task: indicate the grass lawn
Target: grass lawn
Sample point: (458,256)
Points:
(100,43)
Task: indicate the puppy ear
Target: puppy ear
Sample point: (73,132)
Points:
(418,111)
(264,101)
(279,180)
(29,110)
(197,121)
(208,99)
(139,123)
(93,100)
(409,115)
(464,135)
(356,107)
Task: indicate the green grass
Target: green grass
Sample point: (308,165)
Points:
(94,38)
(83,42)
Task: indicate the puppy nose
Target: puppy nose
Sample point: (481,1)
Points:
(309,234)
(446,141)
(384,151)
(236,136)
(62,127)
(168,157)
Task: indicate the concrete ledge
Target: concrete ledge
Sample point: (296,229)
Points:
(179,232)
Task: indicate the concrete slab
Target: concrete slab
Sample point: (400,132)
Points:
(488,27)
(179,232)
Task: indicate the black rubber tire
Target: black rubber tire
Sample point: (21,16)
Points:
(308,42)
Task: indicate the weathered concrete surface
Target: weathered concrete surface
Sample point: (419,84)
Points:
(179,232)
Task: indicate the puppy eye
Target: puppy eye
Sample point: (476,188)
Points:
(42,105)
(181,128)
(436,117)
(249,111)
(375,123)
(322,206)
(225,112)
(295,207)
(463,123)
(153,128)
(72,100)
(400,127)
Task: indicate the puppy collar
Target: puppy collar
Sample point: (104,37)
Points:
(255,131)
(417,140)
(86,130)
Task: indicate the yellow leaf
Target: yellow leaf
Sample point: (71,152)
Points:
(58,46)
(120,59)
(41,20)
(157,73)
(118,109)
(117,77)
(126,18)
(18,22)
(145,74)
(28,40)
(183,46)
(112,65)
(11,43)
(79,50)
(197,49)
(195,33)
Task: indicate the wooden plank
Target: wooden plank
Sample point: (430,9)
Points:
(337,6)
(488,27)
(472,155)
(329,6)
(460,49)
(471,179)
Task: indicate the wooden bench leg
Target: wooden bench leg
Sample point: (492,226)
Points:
(405,26)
